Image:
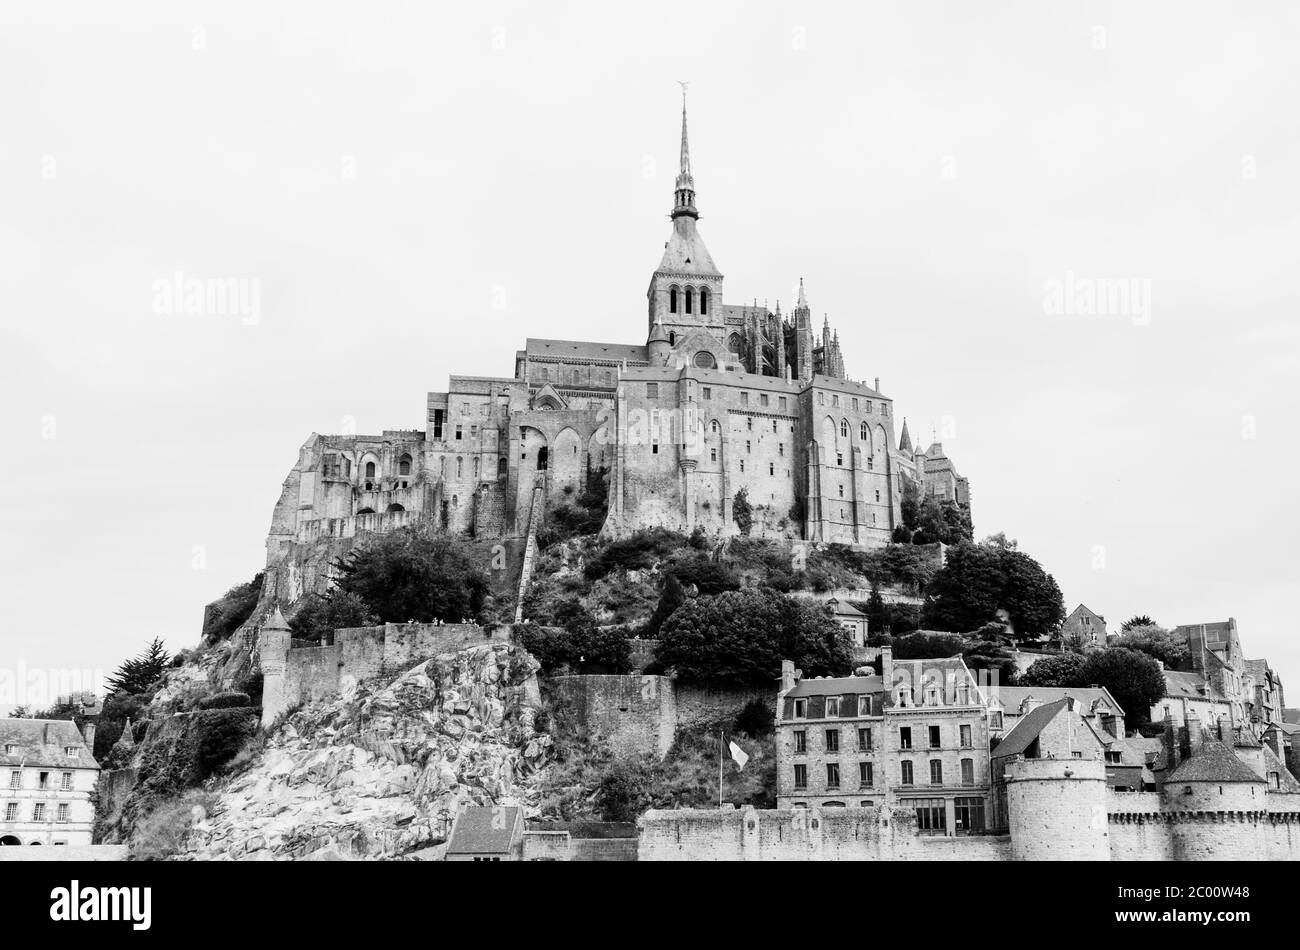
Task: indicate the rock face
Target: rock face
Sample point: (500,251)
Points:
(382,771)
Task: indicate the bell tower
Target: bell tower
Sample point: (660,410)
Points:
(685,293)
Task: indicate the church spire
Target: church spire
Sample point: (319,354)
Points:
(684,197)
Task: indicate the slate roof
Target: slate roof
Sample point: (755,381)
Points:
(843,608)
(1012,696)
(40,742)
(1214,763)
(1028,729)
(1191,685)
(685,253)
(474,832)
(585,350)
(838,686)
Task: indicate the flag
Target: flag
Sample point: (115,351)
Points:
(739,755)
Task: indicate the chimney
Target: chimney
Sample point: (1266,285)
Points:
(1172,756)
(88,733)
(1195,734)
(787,675)
(887,667)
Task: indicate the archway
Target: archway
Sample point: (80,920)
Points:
(395,507)
(9,840)
(543,458)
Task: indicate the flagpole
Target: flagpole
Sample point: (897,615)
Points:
(719,768)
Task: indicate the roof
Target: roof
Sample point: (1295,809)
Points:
(1286,781)
(843,608)
(42,742)
(685,253)
(1215,762)
(1135,750)
(1028,729)
(480,829)
(584,350)
(1012,696)
(838,686)
(1084,610)
(1191,685)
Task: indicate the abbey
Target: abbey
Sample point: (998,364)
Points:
(722,401)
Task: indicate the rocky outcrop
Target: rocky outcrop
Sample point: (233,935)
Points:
(382,770)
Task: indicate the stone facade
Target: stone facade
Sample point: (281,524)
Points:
(720,398)
(48,776)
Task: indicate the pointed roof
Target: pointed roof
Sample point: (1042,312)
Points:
(276,621)
(1215,762)
(44,742)
(684,179)
(802,303)
(657,333)
(905,442)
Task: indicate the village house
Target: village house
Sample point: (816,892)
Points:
(49,774)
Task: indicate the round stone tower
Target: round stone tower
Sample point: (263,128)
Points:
(1217,806)
(273,658)
(1057,810)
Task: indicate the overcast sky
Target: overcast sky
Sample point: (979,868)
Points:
(416,188)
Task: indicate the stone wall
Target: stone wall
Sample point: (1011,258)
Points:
(637,713)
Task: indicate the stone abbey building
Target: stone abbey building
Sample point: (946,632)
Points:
(719,398)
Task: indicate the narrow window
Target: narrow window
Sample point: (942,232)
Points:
(936,772)
(801,776)
(832,740)
(968,771)
(866,776)
(965,737)
(906,773)
(704,301)
(934,737)
(690,300)
(832,775)
(864,740)
(905,737)
(672,300)
(66,782)
(800,741)
(652,390)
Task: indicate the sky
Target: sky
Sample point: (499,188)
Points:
(410,190)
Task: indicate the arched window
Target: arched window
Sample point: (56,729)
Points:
(690,300)
(863,432)
(455,502)
(734,343)
(705,360)
(476,467)
(370,470)
(395,507)
(713,426)
(543,459)
(704,301)
(844,428)
(366,511)
(501,467)
(546,374)
(672,299)
(460,468)
(404,465)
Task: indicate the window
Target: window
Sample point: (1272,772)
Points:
(864,740)
(762,399)
(43,781)
(654,450)
(932,697)
(672,299)
(934,737)
(832,775)
(742,465)
(38,811)
(460,434)
(832,707)
(404,465)
(437,424)
(835,401)
(713,455)
(995,720)
(866,775)
(864,705)
(968,815)
(652,390)
(832,740)
(748,446)
(862,432)
(744,399)
(15,779)
(370,468)
(704,301)
(839,458)
(690,300)
(706,392)
(780,402)
(965,737)
(61,815)
(780,449)
(905,737)
(801,776)
(11,811)
(800,741)
(936,772)
(877,494)
(749,424)
(841,491)
(65,784)
(968,771)
(930,816)
(771,468)
(844,428)
(801,709)
(867,408)
(906,773)
(884,409)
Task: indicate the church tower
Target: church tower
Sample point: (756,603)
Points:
(685,293)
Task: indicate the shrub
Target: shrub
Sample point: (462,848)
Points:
(708,576)
(226,615)
(219,734)
(317,616)
(742,512)
(227,700)
(980,579)
(416,574)
(161,834)
(1065,669)
(585,646)
(756,719)
(641,550)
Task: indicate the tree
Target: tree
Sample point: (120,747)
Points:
(1065,669)
(236,605)
(744,635)
(337,610)
(911,504)
(1156,642)
(416,574)
(878,616)
(978,580)
(1138,620)
(1133,678)
(743,512)
(670,598)
(139,673)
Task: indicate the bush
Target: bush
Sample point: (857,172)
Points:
(756,719)
(318,616)
(742,512)
(416,574)
(161,834)
(708,576)
(639,551)
(978,580)
(582,647)
(1063,670)
(227,700)
(219,734)
(235,606)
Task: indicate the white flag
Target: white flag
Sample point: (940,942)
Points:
(739,755)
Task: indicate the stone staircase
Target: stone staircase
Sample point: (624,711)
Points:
(530,550)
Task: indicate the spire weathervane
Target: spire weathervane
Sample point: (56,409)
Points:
(684,204)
